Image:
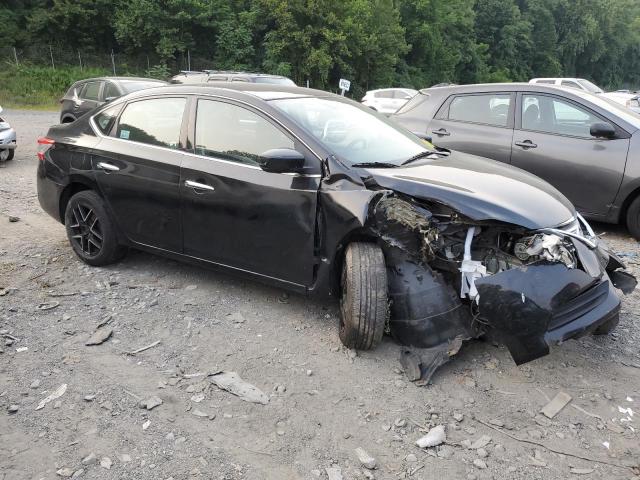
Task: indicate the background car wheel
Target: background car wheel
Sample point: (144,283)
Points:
(90,230)
(6,155)
(633,218)
(607,327)
(364,307)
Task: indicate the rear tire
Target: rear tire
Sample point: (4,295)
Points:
(91,231)
(364,306)
(607,327)
(633,218)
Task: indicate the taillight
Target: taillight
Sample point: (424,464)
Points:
(44,144)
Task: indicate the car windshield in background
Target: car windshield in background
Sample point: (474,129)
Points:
(590,86)
(133,85)
(275,80)
(353,134)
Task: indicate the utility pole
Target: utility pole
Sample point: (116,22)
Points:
(189,60)
(113,63)
(53,65)
(80,60)
(15,55)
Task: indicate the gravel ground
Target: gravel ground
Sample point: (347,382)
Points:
(324,401)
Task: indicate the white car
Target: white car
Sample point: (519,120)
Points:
(388,100)
(7,140)
(578,83)
(626,98)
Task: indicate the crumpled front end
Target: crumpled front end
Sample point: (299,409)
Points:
(452,279)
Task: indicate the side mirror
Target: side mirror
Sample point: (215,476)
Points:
(602,130)
(281,160)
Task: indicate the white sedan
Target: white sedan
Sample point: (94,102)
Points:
(388,100)
(7,140)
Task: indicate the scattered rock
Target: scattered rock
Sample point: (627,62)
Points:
(537,460)
(190,288)
(125,458)
(479,463)
(365,459)
(56,394)
(65,472)
(199,413)
(400,422)
(100,336)
(78,473)
(232,383)
(35,384)
(89,398)
(411,458)
(106,462)
(13,219)
(197,398)
(146,425)
(482,453)
(436,436)
(445,451)
(236,317)
(458,417)
(13,409)
(558,402)
(309,373)
(334,473)
(483,441)
(581,471)
(150,403)
(497,422)
(90,459)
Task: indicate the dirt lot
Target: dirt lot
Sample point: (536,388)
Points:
(324,401)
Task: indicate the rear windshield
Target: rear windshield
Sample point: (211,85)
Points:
(135,85)
(414,102)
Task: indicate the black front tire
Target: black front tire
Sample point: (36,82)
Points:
(91,231)
(364,305)
(633,218)
(11,153)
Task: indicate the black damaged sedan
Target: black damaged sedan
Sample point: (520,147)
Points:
(312,192)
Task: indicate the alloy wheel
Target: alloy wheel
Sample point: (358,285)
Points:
(85,230)
(4,155)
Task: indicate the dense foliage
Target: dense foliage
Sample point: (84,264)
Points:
(375,43)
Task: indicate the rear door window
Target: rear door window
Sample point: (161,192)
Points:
(234,133)
(91,91)
(110,91)
(488,109)
(155,121)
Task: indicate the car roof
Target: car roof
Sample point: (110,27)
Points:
(264,91)
(557,78)
(228,72)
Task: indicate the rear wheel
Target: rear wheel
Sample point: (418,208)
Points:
(91,231)
(633,218)
(607,327)
(6,154)
(364,306)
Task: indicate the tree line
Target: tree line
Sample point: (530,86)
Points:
(374,43)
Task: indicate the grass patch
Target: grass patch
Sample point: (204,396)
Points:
(31,87)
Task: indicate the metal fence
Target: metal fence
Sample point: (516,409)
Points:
(116,63)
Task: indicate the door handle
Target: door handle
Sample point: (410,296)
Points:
(198,185)
(526,144)
(441,132)
(108,167)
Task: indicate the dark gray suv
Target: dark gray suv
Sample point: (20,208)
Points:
(587,146)
(85,95)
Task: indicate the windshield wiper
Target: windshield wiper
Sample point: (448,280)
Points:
(375,165)
(421,155)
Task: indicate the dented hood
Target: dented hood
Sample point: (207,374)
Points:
(480,189)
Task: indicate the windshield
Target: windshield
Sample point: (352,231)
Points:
(352,133)
(589,86)
(275,80)
(133,86)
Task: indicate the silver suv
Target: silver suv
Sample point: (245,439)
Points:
(208,76)
(7,140)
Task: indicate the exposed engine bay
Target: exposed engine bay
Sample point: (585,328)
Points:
(453,279)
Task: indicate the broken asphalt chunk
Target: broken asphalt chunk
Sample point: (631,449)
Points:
(100,336)
(558,402)
(436,436)
(365,459)
(232,383)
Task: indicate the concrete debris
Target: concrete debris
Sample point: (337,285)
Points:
(365,459)
(78,473)
(22,349)
(232,383)
(334,473)
(458,417)
(146,425)
(197,398)
(89,398)
(125,458)
(411,458)
(56,394)
(13,409)
(536,460)
(35,384)
(48,306)
(150,403)
(13,219)
(199,413)
(558,402)
(105,462)
(100,336)
(436,436)
(482,453)
(65,472)
(236,317)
